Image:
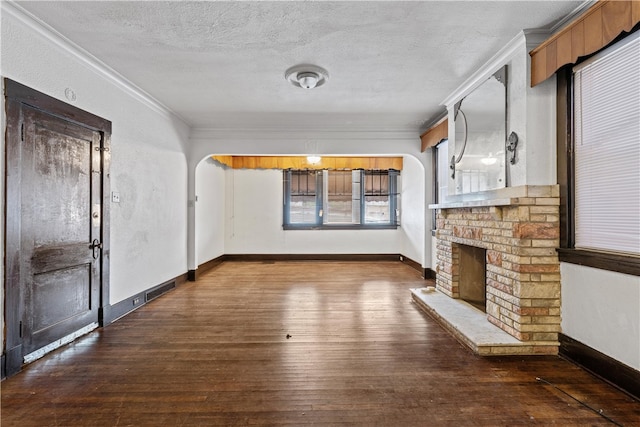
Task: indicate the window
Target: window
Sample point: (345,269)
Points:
(340,199)
(601,227)
(607,150)
(376,197)
(302,197)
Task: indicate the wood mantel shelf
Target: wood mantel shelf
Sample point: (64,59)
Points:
(509,196)
(476,203)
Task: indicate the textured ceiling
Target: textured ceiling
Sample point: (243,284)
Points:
(222,64)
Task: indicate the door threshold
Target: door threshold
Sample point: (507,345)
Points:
(35,355)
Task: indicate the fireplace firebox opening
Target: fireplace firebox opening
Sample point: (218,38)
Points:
(473,273)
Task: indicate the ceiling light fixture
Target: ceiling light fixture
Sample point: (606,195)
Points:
(307,76)
(489,160)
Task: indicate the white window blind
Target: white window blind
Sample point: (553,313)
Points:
(607,149)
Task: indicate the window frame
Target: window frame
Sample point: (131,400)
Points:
(319,224)
(287,200)
(567,252)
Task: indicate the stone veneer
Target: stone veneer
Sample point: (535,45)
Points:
(520,231)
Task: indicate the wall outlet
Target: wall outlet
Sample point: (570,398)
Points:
(115,197)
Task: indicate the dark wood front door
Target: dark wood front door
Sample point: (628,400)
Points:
(55,230)
(61,209)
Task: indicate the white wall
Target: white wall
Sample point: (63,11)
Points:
(412,210)
(254,223)
(2,161)
(210,210)
(148,162)
(601,309)
(532,115)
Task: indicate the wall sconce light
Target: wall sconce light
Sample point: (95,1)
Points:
(512,144)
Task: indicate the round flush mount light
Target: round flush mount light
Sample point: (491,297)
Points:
(307,76)
(490,160)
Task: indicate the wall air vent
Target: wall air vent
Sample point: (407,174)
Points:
(159,290)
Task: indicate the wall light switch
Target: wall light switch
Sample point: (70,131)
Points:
(115,197)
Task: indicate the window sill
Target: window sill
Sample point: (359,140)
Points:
(341,227)
(627,264)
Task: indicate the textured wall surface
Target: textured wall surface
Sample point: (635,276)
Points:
(148,169)
(210,210)
(413,211)
(602,310)
(254,223)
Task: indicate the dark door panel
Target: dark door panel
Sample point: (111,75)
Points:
(65,295)
(61,178)
(48,258)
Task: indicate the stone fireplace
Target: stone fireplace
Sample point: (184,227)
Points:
(516,229)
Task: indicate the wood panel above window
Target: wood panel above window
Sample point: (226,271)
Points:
(589,33)
(435,134)
(301,162)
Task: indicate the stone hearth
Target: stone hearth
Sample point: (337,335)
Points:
(519,229)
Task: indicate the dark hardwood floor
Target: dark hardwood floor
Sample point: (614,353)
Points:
(298,343)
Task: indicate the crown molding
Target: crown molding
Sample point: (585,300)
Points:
(583,7)
(433,123)
(485,71)
(535,37)
(86,59)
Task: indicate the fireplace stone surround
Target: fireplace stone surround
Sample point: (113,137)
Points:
(519,229)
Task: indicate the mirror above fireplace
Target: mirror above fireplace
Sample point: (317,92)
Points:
(478,153)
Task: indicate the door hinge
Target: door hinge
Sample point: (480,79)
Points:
(105,149)
(22,132)
(20,331)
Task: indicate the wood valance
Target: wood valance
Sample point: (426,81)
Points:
(435,134)
(301,162)
(593,30)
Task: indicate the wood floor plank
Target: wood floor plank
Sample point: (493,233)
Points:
(298,343)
